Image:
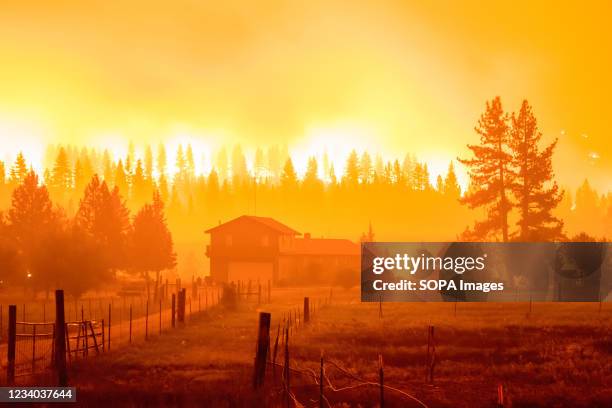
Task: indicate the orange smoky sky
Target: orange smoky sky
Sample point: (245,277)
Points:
(391,77)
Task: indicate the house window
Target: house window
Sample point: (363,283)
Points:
(265,241)
(228,240)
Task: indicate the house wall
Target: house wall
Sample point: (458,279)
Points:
(236,246)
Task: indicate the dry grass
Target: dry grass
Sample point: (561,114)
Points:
(559,355)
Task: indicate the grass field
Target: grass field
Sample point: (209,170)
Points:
(555,355)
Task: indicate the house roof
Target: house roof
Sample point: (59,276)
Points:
(268,222)
(324,246)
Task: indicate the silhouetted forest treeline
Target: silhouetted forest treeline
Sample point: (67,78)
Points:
(393,200)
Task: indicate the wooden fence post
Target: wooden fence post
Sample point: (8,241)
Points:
(306,310)
(181,306)
(274,353)
(431,354)
(109,325)
(12,339)
(321,375)
(147,320)
(286,371)
(381,377)
(60,339)
(263,343)
(173,310)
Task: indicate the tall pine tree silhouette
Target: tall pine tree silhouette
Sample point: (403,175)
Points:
(151,247)
(489,171)
(537,194)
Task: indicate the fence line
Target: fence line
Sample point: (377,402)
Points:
(292,322)
(92,326)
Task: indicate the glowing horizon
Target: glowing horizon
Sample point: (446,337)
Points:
(390,78)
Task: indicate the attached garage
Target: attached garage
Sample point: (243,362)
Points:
(254,271)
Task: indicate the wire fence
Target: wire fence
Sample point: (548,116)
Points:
(293,384)
(92,326)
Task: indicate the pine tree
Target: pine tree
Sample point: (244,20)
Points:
(180,176)
(425,185)
(439,184)
(451,185)
(351,175)
(163,188)
(260,164)
(79,177)
(61,177)
(333,180)
(19,171)
(537,194)
(239,167)
(379,168)
(190,164)
(151,247)
(121,181)
(365,168)
(289,180)
(489,170)
(109,171)
(326,166)
(311,174)
(408,170)
(222,164)
(148,163)
(31,213)
(2,174)
(102,214)
(139,185)
(129,160)
(398,177)
(311,177)
(369,236)
(162,160)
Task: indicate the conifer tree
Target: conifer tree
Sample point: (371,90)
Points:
(139,185)
(61,176)
(31,213)
(190,164)
(151,247)
(451,185)
(289,180)
(121,180)
(351,174)
(489,171)
(439,184)
(312,183)
(259,165)
(537,194)
(162,160)
(148,163)
(163,188)
(365,168)
(2,173)
(19,171)
(102,214)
